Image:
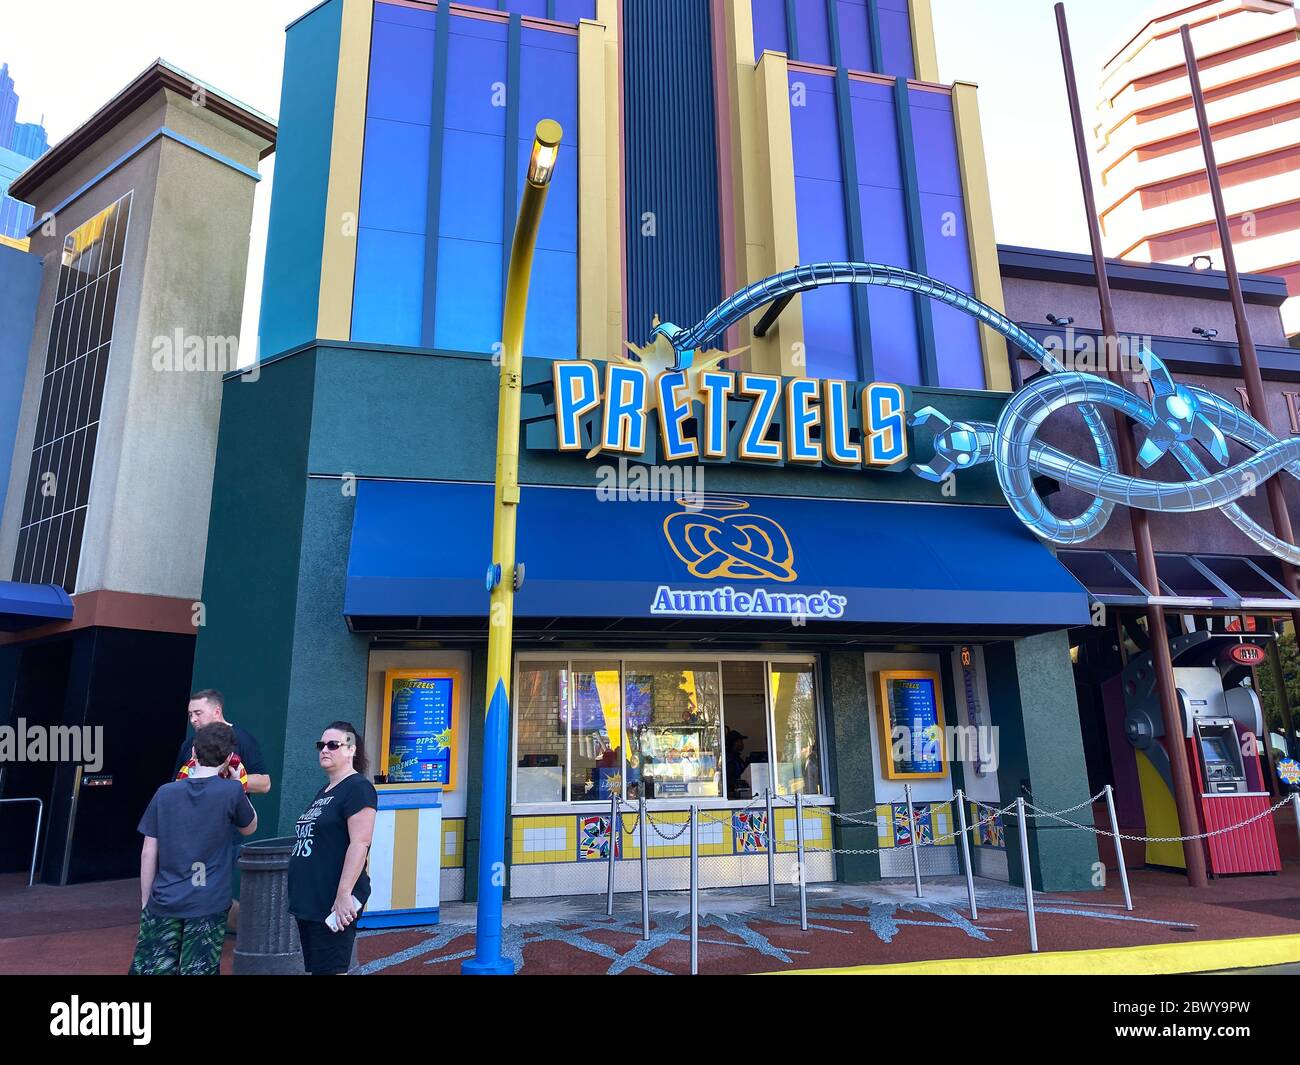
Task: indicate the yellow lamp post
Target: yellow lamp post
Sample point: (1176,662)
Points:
(501,580)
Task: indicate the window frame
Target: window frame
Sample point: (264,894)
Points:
(623,656)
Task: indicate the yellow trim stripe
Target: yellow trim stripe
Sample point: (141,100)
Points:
(924,58)
(406,854)
(343,199)
(24,244)
(1155,960)
(985,271)
(600,321)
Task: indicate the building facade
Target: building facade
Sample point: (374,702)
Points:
(137,282)
(707,146)
(1155,197)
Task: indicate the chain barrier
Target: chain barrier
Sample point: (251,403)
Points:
(1167,839)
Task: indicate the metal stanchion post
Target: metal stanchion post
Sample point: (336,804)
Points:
(1119,847)
(771,850)
(959,801)
(802,869)
(645,865)
(1295,805)
(911,827)
(695,889)
(1023,829)
(614,829)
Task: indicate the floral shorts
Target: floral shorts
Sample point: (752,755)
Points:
(179,946)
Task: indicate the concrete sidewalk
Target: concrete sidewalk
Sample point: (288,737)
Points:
(90,929)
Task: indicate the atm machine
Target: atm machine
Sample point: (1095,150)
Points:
(1222,730)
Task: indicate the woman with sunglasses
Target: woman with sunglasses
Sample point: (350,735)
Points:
(328,884)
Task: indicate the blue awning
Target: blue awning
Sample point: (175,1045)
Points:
(421,550)
(23,606)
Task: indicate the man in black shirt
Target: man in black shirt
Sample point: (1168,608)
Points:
(207,707)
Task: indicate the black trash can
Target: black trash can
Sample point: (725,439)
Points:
(267,943)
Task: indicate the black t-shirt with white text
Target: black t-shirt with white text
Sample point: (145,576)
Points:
(321,846)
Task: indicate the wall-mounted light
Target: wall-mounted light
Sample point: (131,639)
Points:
(1202,331)
(1202,262)
(1059,321)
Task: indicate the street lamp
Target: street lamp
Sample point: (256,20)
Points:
(503,577)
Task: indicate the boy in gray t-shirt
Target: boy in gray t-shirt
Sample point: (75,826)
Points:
(187,863)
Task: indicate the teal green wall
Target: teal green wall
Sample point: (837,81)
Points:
(250,582)
(1031,692)
(853,781)
(399,413)
(296,231)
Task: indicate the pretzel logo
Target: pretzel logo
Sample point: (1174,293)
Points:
(735,546)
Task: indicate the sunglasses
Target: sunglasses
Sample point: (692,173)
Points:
(333,745)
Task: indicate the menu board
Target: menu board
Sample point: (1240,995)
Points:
(911,714)
(419,730)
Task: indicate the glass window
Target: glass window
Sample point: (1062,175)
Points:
(794,729)
(674,728)
(542,740)
(596,765)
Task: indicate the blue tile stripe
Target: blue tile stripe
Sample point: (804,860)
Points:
(791,31)
(873,28)
(510,206)
(433,204)
(915,229)
(852,198)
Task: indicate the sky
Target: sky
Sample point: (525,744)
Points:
(1008,47)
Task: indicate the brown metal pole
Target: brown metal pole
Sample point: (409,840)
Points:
(1250,374)
(1184,797)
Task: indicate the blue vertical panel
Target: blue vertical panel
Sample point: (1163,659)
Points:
(549,89)
(896,38)
(671,163)
(473,188)
(388,287)
(894,344)
(943,215)
(769,27)
(813,21)
(823,231)
(855,36)
(296,232)
(574,10)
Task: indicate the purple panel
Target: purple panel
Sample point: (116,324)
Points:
(574,10)
(536,8)
(404,16)
(937,166)
(476,74)
(769,27)
(477,27)
(401,73)
(956,336)
(473,186)
(814,31)
(896,42)
(855,35)
(827,312)
(814,128)
(469,295)
(895,350)
(875,136)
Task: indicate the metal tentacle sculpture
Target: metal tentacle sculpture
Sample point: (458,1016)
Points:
(1178,416)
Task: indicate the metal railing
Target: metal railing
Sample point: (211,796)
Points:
(1022,810)
(36,836)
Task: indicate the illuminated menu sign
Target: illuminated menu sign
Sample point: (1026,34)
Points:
(911,716)
(419,729)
